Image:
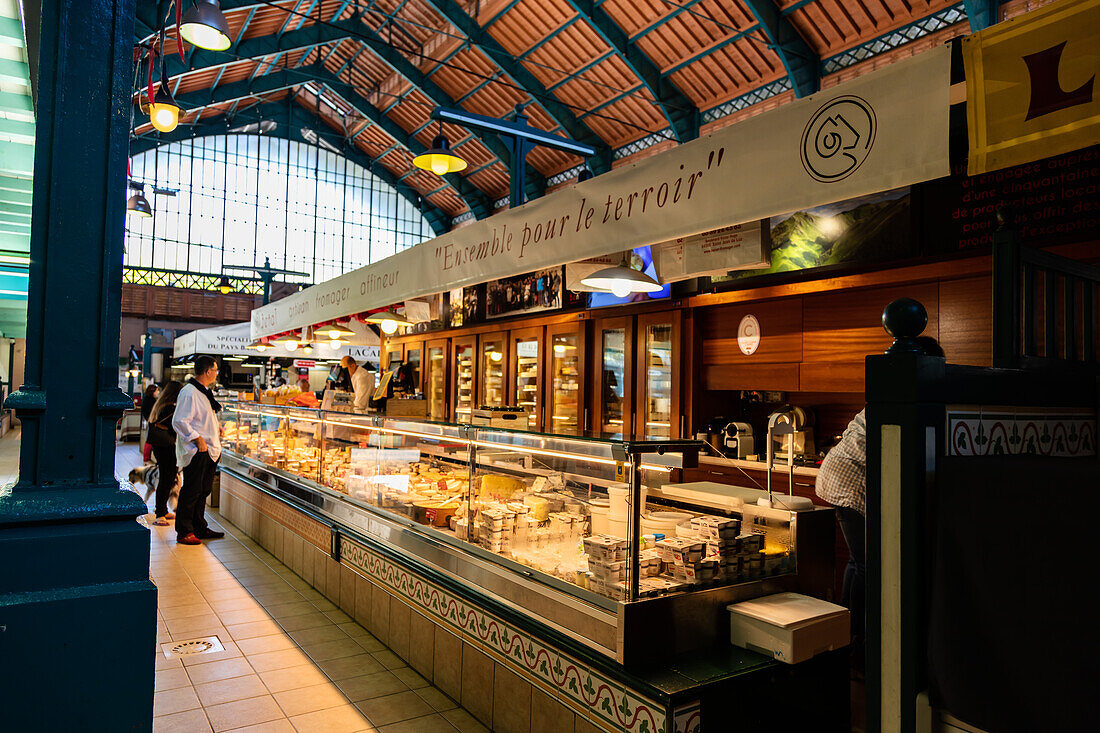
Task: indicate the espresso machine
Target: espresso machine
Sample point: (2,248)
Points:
(738,440)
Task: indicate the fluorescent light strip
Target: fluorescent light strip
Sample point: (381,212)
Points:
(521,449)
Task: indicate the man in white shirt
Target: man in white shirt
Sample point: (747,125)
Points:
(198,448)
(362,382)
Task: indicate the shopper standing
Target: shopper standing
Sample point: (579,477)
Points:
(162,439)
(198,448)
(148,399)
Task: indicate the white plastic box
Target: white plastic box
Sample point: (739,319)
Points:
(790,627)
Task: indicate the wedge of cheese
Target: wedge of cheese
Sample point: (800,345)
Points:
(537,507)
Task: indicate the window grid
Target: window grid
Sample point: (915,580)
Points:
(231,208)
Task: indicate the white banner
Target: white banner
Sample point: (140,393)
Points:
(875,133)
(230,340)
(233,340)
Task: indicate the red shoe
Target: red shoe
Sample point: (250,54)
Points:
(188,539)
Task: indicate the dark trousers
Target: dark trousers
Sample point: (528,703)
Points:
(166,462)
(854,528)
(198,482)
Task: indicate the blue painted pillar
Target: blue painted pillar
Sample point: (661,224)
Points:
(77,608)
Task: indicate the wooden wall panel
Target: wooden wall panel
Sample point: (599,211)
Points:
(780,329)
(847,325)
(832,376)
(782,377)
(966,320)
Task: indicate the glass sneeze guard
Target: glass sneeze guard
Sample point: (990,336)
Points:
(549,503)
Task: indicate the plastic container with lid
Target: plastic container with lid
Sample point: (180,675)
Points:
(619,494)
(598,509)
(663,522)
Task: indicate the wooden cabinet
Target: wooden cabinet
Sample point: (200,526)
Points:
(566,404)
(436,377)
(414,359)
(657,407)
(492,370)
(613,379)
(393,353)
(463,384)
(525,376)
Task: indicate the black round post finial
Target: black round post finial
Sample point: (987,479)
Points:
(905,320)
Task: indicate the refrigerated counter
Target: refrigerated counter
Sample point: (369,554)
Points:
(511,515)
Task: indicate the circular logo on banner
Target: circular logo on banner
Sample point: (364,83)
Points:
(748,335)
(838,139)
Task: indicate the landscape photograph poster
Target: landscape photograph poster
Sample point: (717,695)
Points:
(871,228)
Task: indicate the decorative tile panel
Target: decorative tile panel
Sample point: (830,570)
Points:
(310,530)
(590,691)
(991,431)
(687,718)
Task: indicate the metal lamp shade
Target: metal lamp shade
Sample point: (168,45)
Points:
(439,159)
(205,26)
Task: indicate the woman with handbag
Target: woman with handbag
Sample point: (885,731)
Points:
(163,439)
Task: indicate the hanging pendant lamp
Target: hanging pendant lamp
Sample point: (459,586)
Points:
(225,286)
(621,280)
(439,159)
(335,331)
(388,321)
(164,112)
(204,26)
(138,206)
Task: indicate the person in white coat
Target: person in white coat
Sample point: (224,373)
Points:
(198,448)
(362,382)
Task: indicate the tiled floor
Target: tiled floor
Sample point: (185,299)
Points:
(292,661)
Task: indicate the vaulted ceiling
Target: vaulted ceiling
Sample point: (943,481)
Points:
(629,77)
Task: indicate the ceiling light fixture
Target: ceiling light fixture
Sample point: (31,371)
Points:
(388,321)
(621,280)
(439,159)
(137,205)
(225,286)
(259,345)
(204,26)
(164,112)
(335,331)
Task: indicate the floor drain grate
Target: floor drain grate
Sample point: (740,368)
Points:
(191,647)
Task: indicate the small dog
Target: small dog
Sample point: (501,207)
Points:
(149,475)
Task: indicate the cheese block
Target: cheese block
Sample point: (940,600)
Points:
(500,486)
(538,508)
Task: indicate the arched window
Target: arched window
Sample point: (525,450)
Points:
(238,199)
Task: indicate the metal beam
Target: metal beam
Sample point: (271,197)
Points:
(288,127)
(802,63)
(558,111)
(307,38)
(982,13)
(663,19)
(681,112)
(477,201)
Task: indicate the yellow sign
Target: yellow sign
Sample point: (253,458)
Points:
(1031,85)
(621,472)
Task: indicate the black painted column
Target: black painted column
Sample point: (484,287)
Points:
(77,609)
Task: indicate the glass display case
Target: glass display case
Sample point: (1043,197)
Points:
(493,364)
(614,378)
(553,506)
(565,358)
(435,378)
(414,358)
(658,375)
(464,356)
(526,362)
